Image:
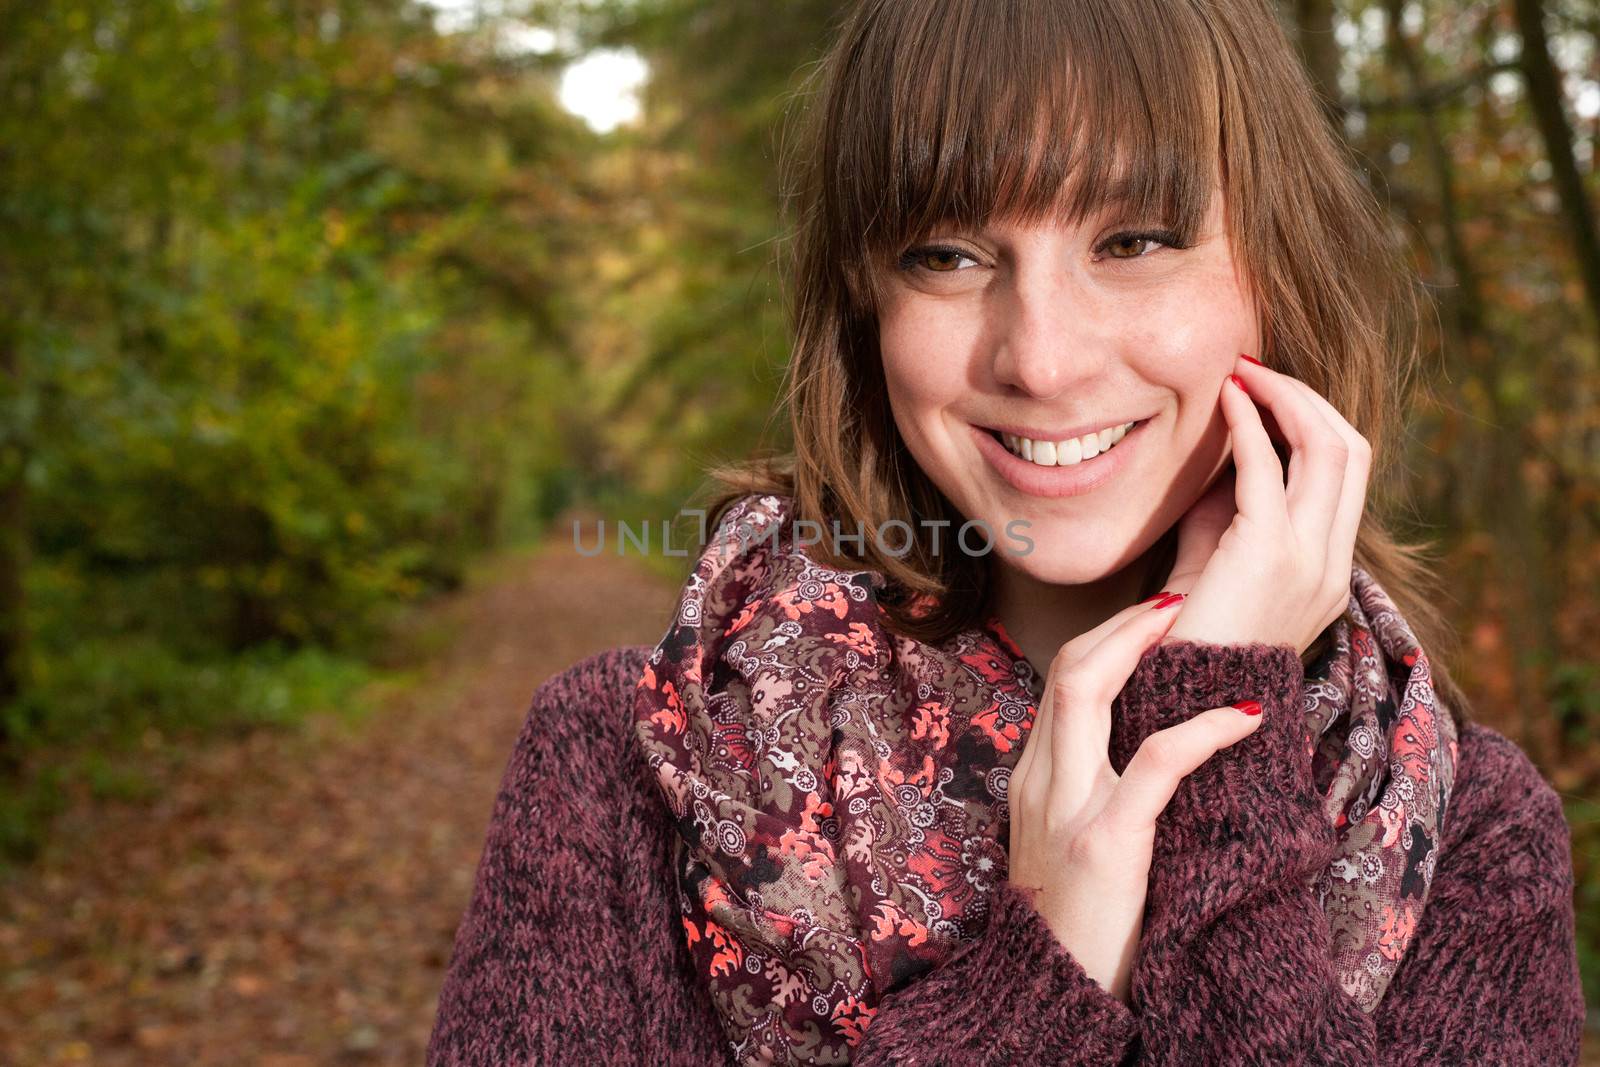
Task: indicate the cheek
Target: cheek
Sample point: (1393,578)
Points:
(924,361)
(1189,336)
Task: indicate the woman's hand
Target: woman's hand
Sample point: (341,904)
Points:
(1262,560)
(1081,835)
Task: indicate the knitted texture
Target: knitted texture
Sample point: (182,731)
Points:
(571,948)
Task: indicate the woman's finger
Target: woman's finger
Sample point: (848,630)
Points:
(1258,473)
(1353,496)
(1317,453)
(1086,642)
(1024,776)
(1043,728)
(1085,687)
(1164,758)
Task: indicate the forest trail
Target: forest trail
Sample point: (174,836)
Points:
(290,900)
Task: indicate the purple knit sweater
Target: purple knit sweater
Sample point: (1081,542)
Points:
(571,950)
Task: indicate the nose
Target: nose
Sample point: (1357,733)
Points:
(1052,335)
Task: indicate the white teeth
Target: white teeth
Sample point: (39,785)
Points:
(1068,452)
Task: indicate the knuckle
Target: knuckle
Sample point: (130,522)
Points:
(1027,802)
(1091,846)
(1067,657)
(1121,833)
(1056,822)
(1162,751)
(1070,689)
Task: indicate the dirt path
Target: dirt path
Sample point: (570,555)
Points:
(292,900)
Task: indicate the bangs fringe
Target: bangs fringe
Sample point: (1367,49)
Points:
(1024,110)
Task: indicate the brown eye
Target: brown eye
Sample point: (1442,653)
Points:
(942,259)
(935,259)
(1136,244)
(1128,247)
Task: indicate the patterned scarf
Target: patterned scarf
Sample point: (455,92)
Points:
(836,787)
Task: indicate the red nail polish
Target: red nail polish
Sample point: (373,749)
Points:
(1175,598)
(1252,359)
(1240,384)
(1249,707)
(1158,596)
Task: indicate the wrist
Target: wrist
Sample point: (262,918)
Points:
(1249,815)
(1176,680)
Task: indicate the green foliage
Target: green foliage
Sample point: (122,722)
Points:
(1583,815)
(101,704)
(111,691)
(282,349)
(264,459)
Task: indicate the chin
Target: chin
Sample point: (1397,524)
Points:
(1063,567)
(1064,553)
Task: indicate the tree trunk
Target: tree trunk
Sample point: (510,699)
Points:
(1465,298)
(1319,49)
(1544,93)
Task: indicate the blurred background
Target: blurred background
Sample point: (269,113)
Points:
(321,322)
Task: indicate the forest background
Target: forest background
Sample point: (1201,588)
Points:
(308,304)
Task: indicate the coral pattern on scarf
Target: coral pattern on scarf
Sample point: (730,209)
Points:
(839,791)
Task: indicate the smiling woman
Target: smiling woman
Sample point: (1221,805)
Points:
(1152,325)
(1189,782)
(986,189)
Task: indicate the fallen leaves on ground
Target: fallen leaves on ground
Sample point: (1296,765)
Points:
(290,899)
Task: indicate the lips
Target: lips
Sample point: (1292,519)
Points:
(1030,478)
(1064,445)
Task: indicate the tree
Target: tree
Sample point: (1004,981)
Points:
(1549,109)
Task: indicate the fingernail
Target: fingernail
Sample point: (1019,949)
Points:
(1240,384)
(1158,596)
(1252,359)
(1249,707)
(1175,598)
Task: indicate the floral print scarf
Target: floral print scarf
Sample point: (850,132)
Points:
(839,791)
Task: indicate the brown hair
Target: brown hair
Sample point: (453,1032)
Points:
(930,111)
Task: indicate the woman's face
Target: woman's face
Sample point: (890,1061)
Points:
(1052,332)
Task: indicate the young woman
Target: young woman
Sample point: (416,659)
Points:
(1090,305)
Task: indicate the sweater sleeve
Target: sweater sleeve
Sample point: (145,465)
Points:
(1012,995)
(1234,962)
(1492,974)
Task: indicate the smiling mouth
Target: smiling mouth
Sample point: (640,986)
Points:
(1065,453)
